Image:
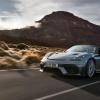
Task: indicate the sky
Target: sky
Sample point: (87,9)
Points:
(21,13)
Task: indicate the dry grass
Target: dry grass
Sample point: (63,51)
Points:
(22,46)
(4,45)
(13,57)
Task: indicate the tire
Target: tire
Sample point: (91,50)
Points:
(90,69)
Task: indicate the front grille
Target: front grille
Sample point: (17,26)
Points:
(71,69)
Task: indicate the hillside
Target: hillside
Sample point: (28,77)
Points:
(58,29)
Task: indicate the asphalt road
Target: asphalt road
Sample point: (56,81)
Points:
(34,85)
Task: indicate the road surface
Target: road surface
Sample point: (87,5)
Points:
(34,85)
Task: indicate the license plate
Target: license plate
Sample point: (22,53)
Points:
(52,65)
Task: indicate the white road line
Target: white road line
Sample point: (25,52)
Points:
(19,69)
(66,91)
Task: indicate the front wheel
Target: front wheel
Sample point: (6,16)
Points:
(90,69)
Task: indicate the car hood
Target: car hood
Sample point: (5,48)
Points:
(65,55)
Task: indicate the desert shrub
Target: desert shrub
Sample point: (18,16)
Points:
(11,61)
(29,60)
(22,46)
(12,45)
(15,56)
(25,52)
(4,52)
(8,53)
(7,62)
(4,45)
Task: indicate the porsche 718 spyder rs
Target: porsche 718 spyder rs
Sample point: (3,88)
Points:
(81,60)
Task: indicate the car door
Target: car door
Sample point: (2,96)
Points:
(97,58)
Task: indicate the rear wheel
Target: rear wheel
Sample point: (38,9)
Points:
(90,69)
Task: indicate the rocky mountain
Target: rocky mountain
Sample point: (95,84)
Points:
(58,29)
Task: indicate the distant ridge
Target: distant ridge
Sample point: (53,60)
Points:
(58,29)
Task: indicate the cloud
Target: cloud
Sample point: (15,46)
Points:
(8,6)
(25,12)
(37,8)
(21,13)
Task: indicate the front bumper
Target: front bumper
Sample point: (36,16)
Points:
(65,69)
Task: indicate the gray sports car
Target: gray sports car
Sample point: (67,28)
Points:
(81,60)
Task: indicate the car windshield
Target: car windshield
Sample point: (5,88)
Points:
(82,48)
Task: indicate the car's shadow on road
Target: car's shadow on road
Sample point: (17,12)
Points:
(79,81)
(25,73)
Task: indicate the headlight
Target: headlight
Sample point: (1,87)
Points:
(46,56)
(79,58)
